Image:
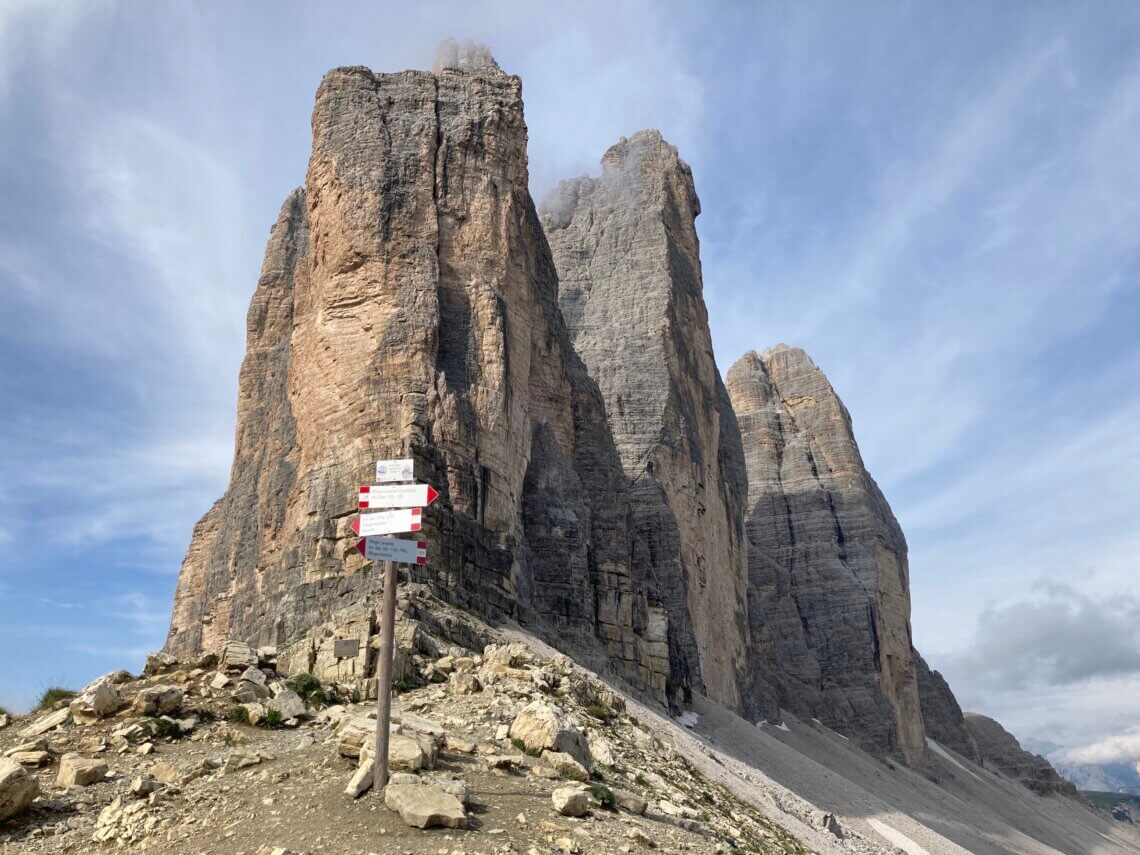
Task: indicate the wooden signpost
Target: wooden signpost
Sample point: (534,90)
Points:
(407,502)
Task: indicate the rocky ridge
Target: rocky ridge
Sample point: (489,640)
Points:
(508,748)
(999,748)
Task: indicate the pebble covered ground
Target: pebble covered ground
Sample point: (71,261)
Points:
(484,725)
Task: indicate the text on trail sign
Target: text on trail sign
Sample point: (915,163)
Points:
(388,522)
(397,496)
(393,549)
(394,470)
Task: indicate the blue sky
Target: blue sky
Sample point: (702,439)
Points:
(941,204)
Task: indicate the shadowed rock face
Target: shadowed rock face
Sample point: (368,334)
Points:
(1000,749)
(828,595)
(941,714)
(626,249)
(408,306)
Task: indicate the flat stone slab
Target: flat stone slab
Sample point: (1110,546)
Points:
(423,806)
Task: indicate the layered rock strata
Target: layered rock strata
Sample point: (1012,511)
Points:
(625,245)
(1000,749)
(408,306)
(828,593)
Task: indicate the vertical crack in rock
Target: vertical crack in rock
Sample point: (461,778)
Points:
(829,600)
(627,253)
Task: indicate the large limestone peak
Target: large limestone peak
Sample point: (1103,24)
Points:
(408,307)
(829,595)
(628,258)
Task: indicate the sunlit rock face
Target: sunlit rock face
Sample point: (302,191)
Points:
(409,306)
(828,588)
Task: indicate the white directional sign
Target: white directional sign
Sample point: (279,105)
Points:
(393,549)
(397,496)
(394,470)
(388,522)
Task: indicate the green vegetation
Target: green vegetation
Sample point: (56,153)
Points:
(164,727)
(600,712)
(53,696)
(1106,801)
(309,688)
(641,780)
(400,686)
(521,746)
(3,711)
(272,720)
(238,715)
(603,794)
(438,677)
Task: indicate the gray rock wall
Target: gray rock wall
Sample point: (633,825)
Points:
(941,714)
(625,245)
(828,597)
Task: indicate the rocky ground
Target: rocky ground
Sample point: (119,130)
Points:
(497,750)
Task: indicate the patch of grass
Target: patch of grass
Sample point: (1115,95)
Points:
(53,696)
(603,794)
(600,712)
(400,686)
(438,677)
(641,780)
(238,715)
(3,711)
(164,728)
(521,746)
(272,721)
(309,688)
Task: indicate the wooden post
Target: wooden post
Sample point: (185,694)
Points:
(384,678)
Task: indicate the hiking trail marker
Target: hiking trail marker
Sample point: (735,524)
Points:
(388,522)
(393,549)
(407,502)
(397,496)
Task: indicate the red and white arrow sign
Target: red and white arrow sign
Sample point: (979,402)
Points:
(393,549)
(397,496)
(388,522)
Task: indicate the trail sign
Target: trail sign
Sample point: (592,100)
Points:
(393,549)
(388,522)
(395,470)
(397,496)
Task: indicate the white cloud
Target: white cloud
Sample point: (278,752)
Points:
(1118,748)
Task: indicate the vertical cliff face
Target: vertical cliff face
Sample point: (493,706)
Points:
(409,306)
(941,714)
(626,249)
(829,597)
